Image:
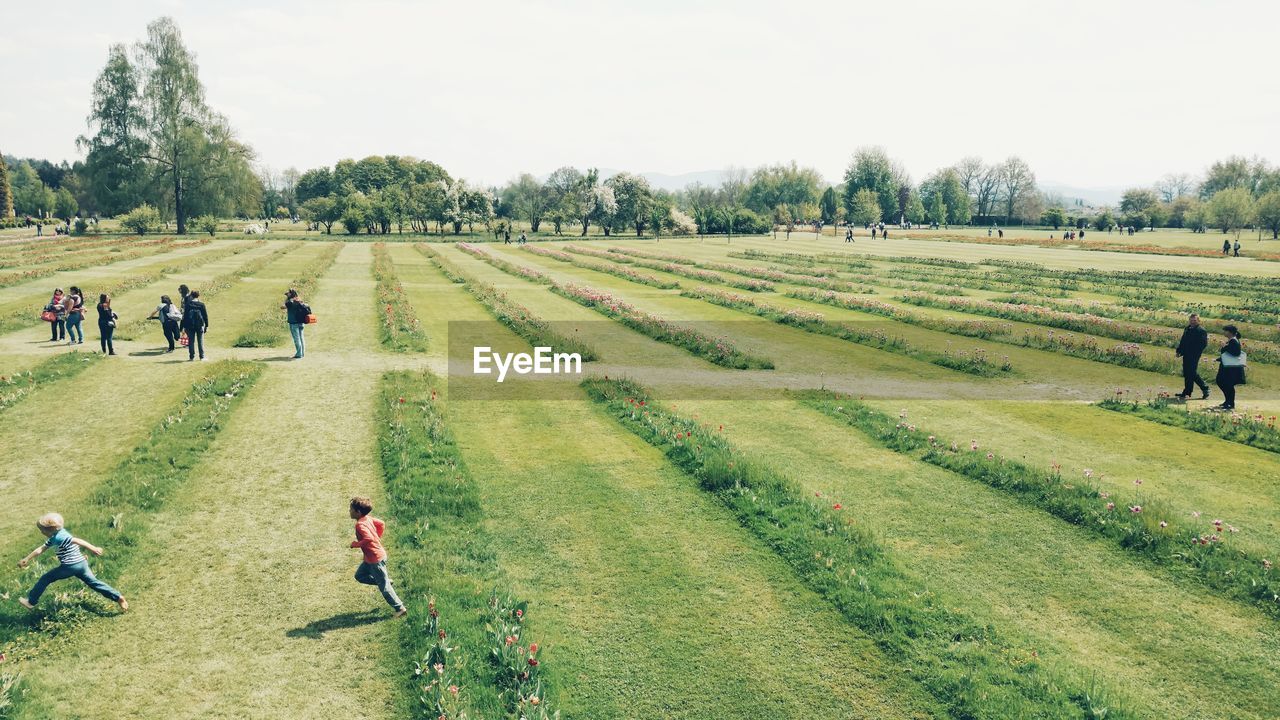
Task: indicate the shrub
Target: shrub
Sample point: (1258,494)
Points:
(141,219)
(80,226)
(206,223)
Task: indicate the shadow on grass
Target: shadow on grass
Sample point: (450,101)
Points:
(342,621)
(147,353)
(282,358)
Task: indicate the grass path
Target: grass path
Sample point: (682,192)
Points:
(41,287)
(247,608)
(1185,471)
(652,601)
(1176,651)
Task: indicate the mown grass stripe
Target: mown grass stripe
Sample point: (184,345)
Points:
(116,515)
(974,363)
(1140,526)
(625,273)
(1257,430)
(521,320)
(447,568)
(268,329)
(16,388)
(970,668)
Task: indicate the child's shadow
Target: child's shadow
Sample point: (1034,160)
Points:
(343,621)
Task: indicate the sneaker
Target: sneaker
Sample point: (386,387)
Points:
(401,613)
(26,603)
(1182,396)
(1205,396)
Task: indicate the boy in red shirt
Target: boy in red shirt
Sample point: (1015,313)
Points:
(373,571)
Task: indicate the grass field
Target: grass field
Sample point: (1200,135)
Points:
(731,549)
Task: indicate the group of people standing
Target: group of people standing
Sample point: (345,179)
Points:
(184,322)
(65,313)
(1231,360)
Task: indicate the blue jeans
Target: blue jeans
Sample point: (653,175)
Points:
(195,337)
(79,570)
(58,328)
(299,342)
(74,332)
(376,574)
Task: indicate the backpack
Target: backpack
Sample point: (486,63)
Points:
(303,308)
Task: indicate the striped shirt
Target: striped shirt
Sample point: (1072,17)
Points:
(68,552)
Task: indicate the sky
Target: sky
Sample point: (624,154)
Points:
(1091,93)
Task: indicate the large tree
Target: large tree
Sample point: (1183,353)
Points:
(828,206)
(1234,172)
(1231,209)
(115,171)
(1017,185)
(733,188)
(529,199)
(871,169)
(1268,212)
(865,208)
(949,184)
(190,149)
(634,200)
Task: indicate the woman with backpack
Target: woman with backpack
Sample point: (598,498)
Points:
(75,316)
(296,313)
(170,317)
(106,323)
(1231,364)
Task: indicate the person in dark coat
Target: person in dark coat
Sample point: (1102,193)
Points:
(1230,368)
(195,320)
(1194,340)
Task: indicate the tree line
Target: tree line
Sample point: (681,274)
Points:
(155,150)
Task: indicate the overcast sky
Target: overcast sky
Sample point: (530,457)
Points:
(1091,93)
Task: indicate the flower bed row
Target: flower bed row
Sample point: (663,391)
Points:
(400,329)
(521,320)
(216,286)
(118,511)
(1142,312)
(974,363)
(448,269)
(268,329)
(510,268)
(1259,351)
(1188,548)
(445,564)
(15,388)
(970,668)
(25,318)
(716,350)
(683,270)
(625,273)
(96,259)
(1257,430)
(1128,355)
(60,249)
(759,273)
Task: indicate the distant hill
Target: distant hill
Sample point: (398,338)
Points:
(663,181)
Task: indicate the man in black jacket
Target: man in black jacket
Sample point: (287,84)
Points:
(1194,340)
(195,320)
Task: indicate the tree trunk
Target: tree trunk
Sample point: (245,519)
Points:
(585,224)
(534,223)
(178,210)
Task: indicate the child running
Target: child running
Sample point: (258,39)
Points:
(373,571)
(71,563)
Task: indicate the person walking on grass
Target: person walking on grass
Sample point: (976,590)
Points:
(296,313)
(106,324)
(1231,365)
(75,317)
(1236,247)
(195,321)
(1226,247)
(170,318)
(71,563)
(373,569)
(1190,347)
